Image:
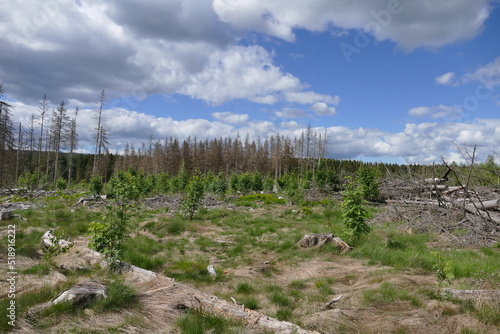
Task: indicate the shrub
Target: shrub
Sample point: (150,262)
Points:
(108,236)
(96,186)
(61,184)
(194,194)
(367,181)
(354,213)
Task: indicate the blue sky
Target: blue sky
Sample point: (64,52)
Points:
(388,80)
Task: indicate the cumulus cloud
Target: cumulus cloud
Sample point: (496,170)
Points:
(411,24)
(321,108)
(135,49)
(231,118)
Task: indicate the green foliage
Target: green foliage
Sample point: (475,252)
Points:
(215,184)
(179,182)
(368,184)
(108,236)
(246,182)
(96,186)
(61,184)
(291,185)
(325,175)
(354,213)
(442,268)
(162,183)
(195,191)
(128,185)
(31,181)
(268,184)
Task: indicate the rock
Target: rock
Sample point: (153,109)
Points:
(83,294)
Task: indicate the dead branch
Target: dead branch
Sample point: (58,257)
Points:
(319,239)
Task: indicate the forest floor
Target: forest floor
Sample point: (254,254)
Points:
(389,282)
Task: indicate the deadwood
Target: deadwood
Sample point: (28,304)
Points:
(319,239)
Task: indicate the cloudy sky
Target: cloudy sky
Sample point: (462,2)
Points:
(395,81)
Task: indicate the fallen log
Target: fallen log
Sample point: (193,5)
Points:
(319,239)
(333,301)
(477,295)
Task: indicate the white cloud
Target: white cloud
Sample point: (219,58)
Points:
(411,24)
(134,50)
(308,97)
(447,79)
(290,113)
(488,75)
(436,112)
(321,108)
(231,118)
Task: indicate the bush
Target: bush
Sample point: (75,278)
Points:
(108,236)
(354,213)
(367,180)
(128,185)
(96,186)
(61,184)
(194,194)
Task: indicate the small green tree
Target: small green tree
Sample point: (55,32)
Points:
(354,213)
(368,184)
(216,184)
(195,191)
(108,236)
(96,186)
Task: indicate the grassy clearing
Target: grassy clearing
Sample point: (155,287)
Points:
(264,229)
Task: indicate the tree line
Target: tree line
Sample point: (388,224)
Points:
(42,153)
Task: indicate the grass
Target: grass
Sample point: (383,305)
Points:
(387,294)
(195,322)
(255,199)
(118,296)
(26,300)
(145,253)
(184,249)
(245,288)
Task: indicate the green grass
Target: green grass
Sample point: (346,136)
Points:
(199,323)
(118,296)
(145,253)
(42,268)
(245,288)
(410,251)
(256,200)
(387,294)
(192,270)
(26,300)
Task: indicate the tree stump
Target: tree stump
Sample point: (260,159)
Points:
(319,239)
(83,294)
